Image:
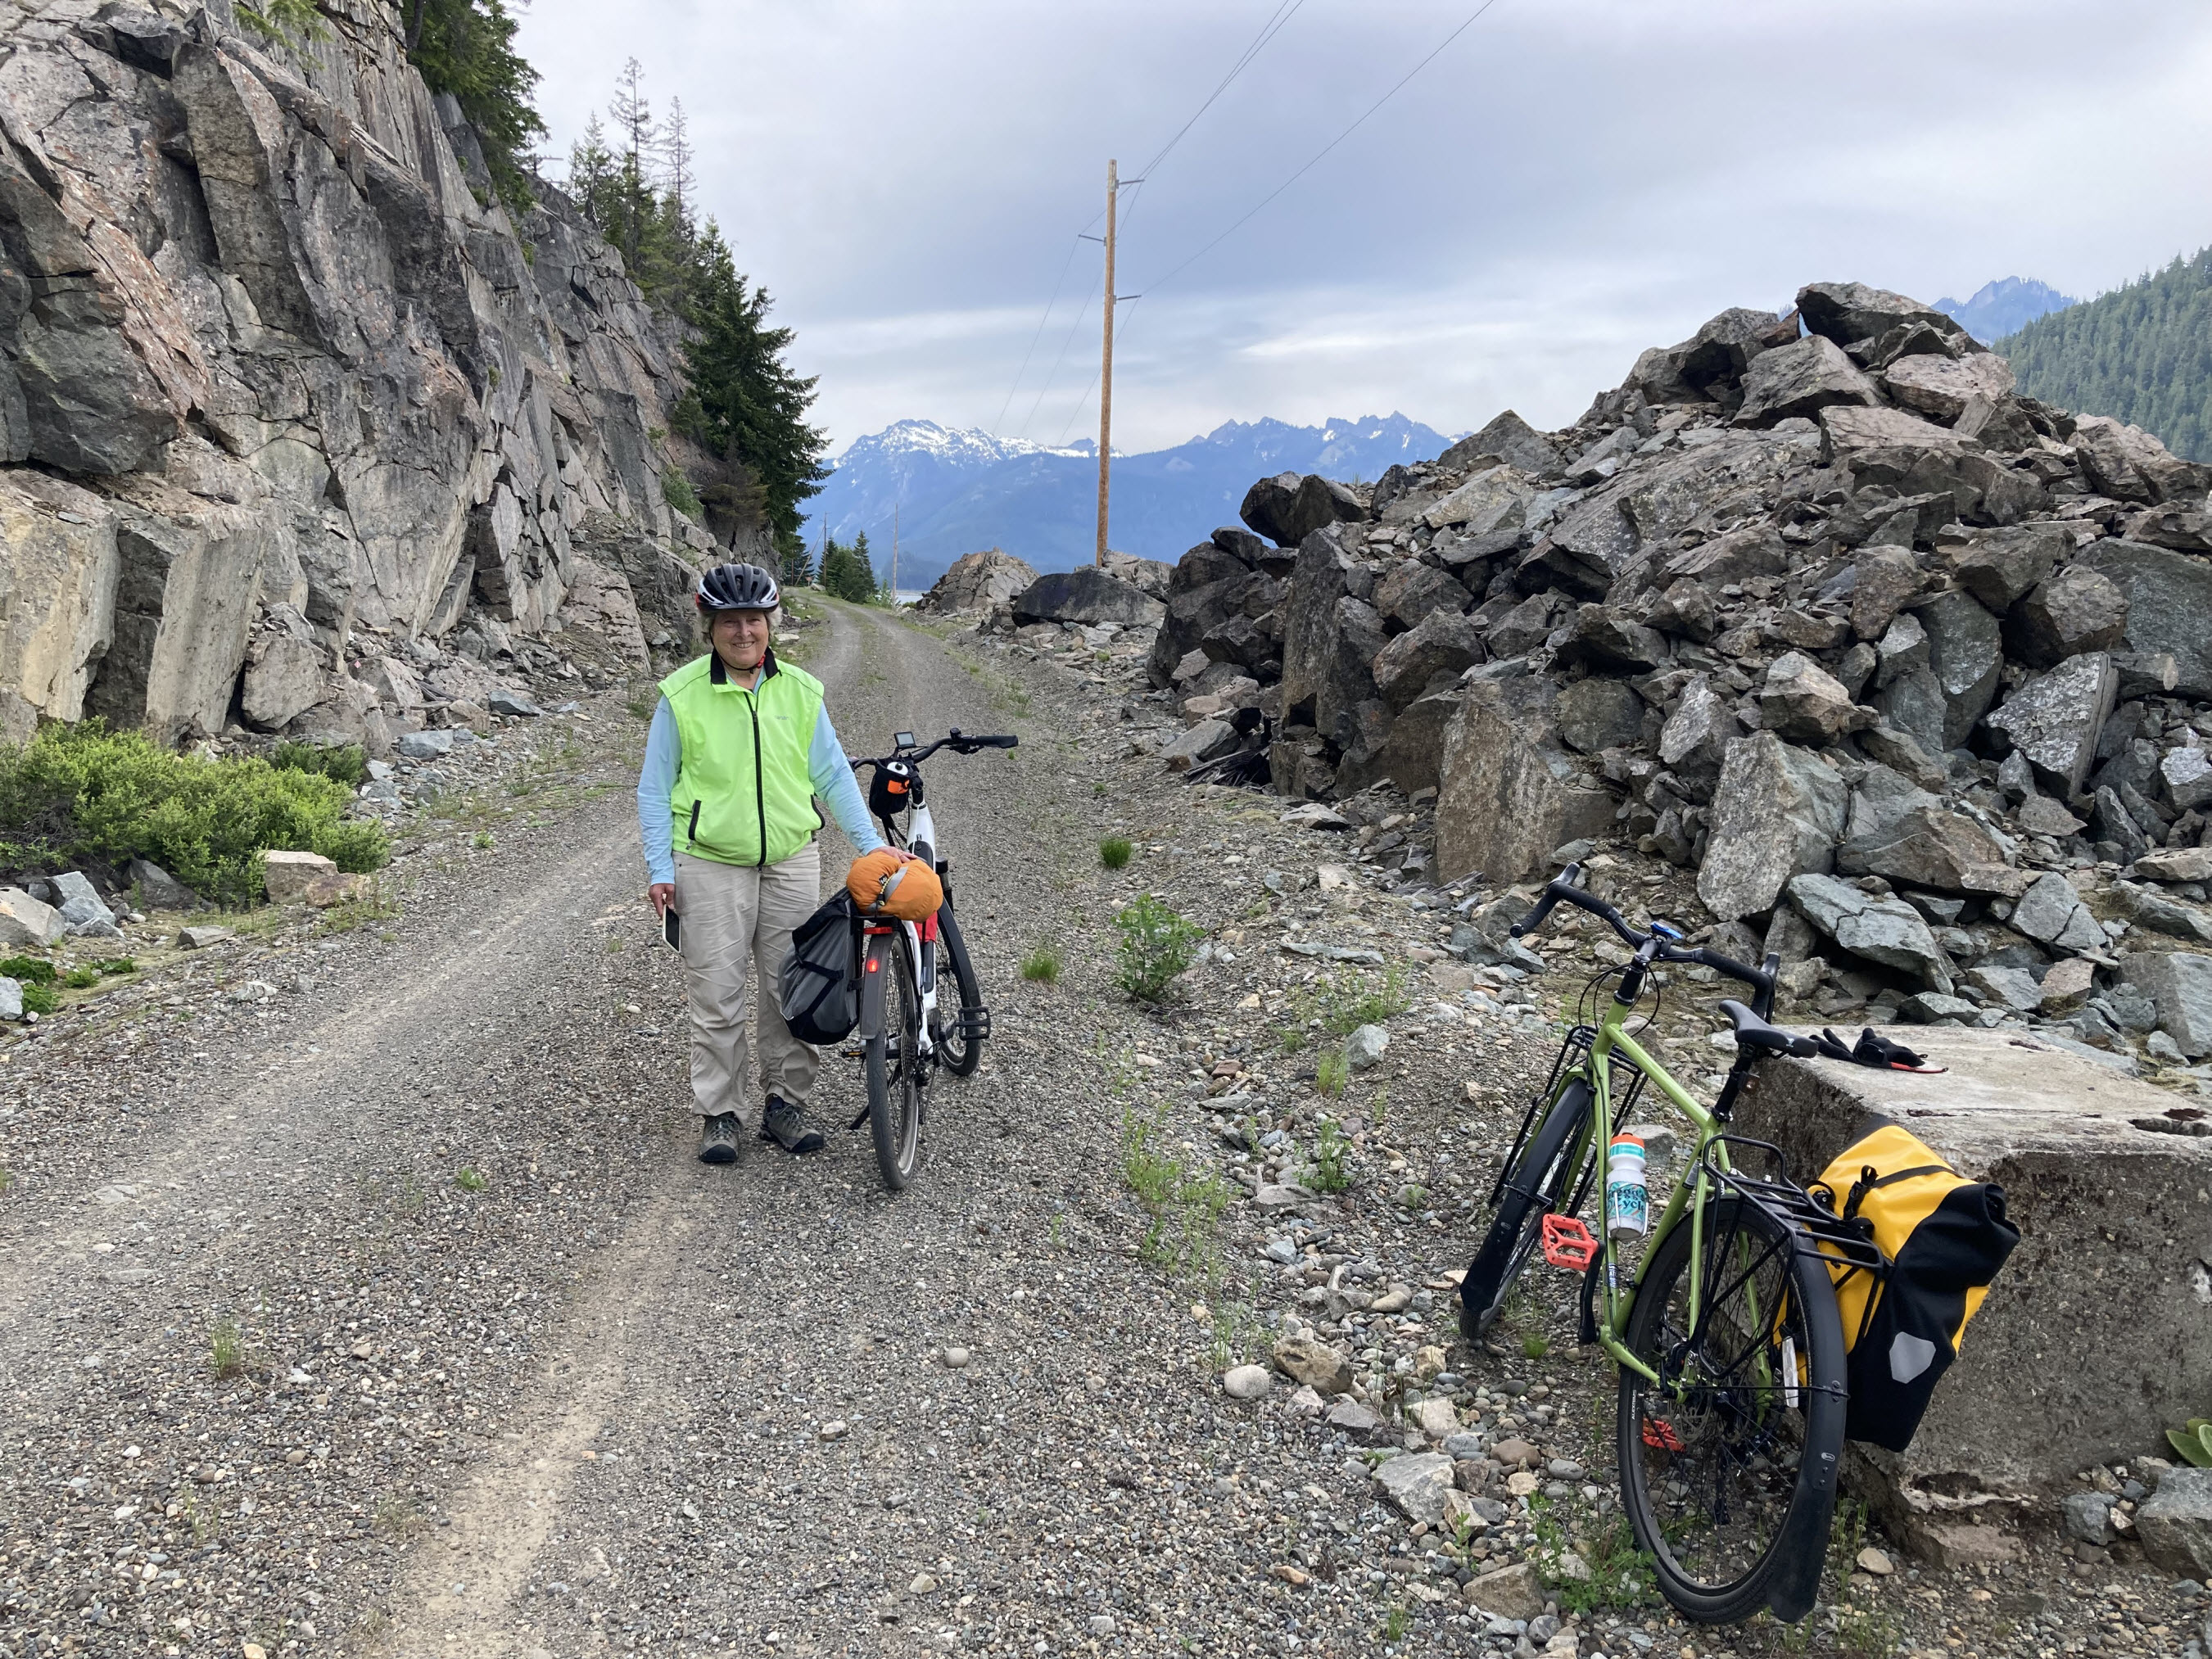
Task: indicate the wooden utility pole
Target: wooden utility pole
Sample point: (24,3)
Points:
(1106,363)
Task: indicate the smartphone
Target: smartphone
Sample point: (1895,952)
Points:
(670,921)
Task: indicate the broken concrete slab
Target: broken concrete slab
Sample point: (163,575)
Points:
(2096,1331)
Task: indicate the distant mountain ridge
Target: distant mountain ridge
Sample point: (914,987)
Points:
(958,490)
(2005,307)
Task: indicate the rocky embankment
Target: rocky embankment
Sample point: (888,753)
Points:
(300,431)
(1909,670)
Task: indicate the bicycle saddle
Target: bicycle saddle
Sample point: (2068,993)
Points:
(1752,1032)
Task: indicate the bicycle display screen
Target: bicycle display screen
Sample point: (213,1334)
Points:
(901,740)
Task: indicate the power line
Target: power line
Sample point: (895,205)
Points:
(1075,242)
(1066,341)
(1155,285)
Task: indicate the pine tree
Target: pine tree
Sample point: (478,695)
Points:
(466,48)
(797,569)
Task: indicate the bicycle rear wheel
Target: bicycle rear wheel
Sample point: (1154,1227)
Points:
(1728,1465)
(894,1068)
(1539,1185)
(959,1040)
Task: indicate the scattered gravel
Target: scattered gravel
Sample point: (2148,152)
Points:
(390,1313)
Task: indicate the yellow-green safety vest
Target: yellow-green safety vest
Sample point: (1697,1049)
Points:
(743,793)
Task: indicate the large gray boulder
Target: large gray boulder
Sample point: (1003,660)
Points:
(26,920)
(977,583)
(1600,713)
(1884,931)
(2052,913)
(2175,1524)
(1942,387)
(1929,847)
(1510,438)
(2169,594)
(1801,379)
(1413,755)
(1998,566)
(2078,609)
(1445,643)
(1412,589)
(1287,508)
(1964,653)
(1318,580)
(1777,812)
(2127,463)
(1509,793)
(2055,721)
(1848,312)
(1802,702)
(2180,984)
(1494,500)
(1086,594)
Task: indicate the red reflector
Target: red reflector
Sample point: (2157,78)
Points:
(875,964)
(929,928)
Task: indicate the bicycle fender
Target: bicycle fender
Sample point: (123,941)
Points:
(875,970)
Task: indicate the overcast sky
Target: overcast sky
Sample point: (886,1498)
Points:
(1567,183)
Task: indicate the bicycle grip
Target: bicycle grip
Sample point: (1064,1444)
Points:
(1556,890)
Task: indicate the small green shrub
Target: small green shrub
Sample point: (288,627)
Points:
(80,793)
(482,841)
(1042,966)
(1156,944)
(1185,1206)
(1621,1577)
(1331,1072)
(116,965)
(39,999)
(1115,851)
(29,969)
(345,762)
(81,978)
(1329,1175)
(676,489)
(226,1349)
(470,1179)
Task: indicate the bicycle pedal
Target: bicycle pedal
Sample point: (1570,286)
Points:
(1568,1244)
(1660,1436)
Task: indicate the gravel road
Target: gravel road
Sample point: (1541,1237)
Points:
(394,1314)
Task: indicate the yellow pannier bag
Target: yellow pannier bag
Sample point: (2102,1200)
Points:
(1945,1237)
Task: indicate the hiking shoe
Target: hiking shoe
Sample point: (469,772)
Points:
(787,1125)
(718,1139)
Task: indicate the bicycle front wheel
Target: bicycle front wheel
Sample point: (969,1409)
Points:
(894,1068)
(1539,1184)
(1729,1462)
(959,1040)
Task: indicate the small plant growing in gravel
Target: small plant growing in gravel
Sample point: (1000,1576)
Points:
(1621,1578)
(28,970)
(111,965)
(1378,1109)
(1415,1197)
(7,1177)
(39,999)
(226,1349)
(1115,851)
(1329,1175)
(395,1517)
(614,944)
(1042,966)
(482,841)
(1535,1345)
(1184,1206)
(81,978)
(1331,1071)
(1156,944)
(346,762)
(470,1179)
(1397,1623)
(2193,1442)
(641,704)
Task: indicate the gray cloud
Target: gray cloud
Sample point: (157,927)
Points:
(1571,181)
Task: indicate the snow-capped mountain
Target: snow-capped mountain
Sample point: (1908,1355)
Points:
(958,489)
(2004,307)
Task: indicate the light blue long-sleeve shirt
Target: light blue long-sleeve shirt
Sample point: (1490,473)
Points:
(826,765)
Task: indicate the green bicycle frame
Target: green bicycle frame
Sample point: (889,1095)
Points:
(1690,1187)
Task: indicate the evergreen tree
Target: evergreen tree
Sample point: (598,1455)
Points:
(797,569)
(2142,353)
(466,48)
(847,573)
(743,401)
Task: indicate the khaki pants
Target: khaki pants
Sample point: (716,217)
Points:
(735,915)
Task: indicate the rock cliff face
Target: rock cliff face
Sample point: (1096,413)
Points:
(297,427)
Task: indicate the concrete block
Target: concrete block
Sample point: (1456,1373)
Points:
(2098,1334)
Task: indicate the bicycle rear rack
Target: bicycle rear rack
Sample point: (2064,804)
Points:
(1843,1247)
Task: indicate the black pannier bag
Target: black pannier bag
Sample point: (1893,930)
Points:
(820,983)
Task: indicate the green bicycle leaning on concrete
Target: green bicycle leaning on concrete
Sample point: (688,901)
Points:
(1720,1316)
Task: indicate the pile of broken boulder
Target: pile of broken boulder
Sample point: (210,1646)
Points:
(1913,670)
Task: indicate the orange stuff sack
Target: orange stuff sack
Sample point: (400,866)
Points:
(883,887)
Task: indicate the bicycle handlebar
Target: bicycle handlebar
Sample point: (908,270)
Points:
(959,743)
(1561,889)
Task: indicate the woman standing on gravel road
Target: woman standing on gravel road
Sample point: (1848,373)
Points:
(739,747)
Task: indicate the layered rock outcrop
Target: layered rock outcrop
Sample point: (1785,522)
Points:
(293,415)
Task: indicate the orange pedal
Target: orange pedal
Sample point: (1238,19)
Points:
(1660,1436)
(1568,1244)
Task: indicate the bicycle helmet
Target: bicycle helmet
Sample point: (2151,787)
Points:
(737,588)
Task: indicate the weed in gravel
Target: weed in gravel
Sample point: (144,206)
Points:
(1621,1575)
(1115,851)
(376,903)
(7,1177)
(1344,1003)
(346,762)
(1184,1205)
(112,965)
(482,841)
(1329,1175)
(1237,1335)
(39,999)
(1397,1623)
(1535,1345)
(641,704)
(204,1519)
(81,978)
(28,969)
(396,1517)
(1042,966)
(1378,1109)
(1331,1071)
(470,1179)
(226,1349)
(614,944)
(1156,944)
(1414,1197)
